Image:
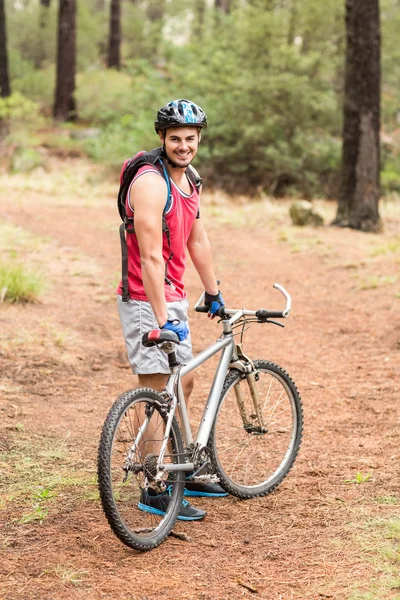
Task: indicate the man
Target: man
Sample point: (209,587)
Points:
(156,265)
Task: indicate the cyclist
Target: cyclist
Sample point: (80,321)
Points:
(157,301)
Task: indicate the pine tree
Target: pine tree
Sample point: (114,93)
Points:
(64,105)
(5,89)
(114,41)
(360,181)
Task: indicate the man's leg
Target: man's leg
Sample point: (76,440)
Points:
(157,382)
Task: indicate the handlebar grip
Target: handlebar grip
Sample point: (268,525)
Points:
(205,309)
(263,314)
(202,309)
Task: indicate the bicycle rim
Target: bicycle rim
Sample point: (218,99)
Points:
(252,460)
(124,495)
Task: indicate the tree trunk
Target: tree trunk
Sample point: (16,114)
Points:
(5,89)
(114,43)
(223,5)
(155,14)
(43,19)
(64,105)
(198,20)
(293,18)
(360,182)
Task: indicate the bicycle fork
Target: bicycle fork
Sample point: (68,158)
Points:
(246,365)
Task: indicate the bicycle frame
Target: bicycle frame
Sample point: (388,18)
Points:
(173,389)
(226,346)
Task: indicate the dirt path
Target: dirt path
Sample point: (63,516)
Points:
(62,364)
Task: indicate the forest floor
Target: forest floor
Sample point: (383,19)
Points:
(332,528)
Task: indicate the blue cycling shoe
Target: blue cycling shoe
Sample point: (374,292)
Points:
(157,504)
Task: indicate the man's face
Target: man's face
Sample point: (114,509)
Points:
(181,144)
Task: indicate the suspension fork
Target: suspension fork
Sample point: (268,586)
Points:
(251,380)
(240,403)
(245,364)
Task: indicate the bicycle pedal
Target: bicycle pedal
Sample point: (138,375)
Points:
(205,478)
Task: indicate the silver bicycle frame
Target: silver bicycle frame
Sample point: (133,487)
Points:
(225,345)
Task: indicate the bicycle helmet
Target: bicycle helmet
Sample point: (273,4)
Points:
(180,113)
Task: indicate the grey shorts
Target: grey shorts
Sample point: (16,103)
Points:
(137,317)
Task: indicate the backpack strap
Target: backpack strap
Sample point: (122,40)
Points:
(128,225)
(124,260)
(194,177)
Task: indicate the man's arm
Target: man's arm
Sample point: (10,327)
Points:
(147,198)
(200,252)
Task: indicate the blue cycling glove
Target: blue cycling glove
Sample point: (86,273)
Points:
(214,303)
(179,327)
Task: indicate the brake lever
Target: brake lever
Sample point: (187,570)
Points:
(271,321)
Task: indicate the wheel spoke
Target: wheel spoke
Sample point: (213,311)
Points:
(128,507)
(251,462)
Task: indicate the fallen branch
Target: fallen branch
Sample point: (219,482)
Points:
(247,586)
(180,536)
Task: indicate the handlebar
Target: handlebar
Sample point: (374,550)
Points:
(236,313)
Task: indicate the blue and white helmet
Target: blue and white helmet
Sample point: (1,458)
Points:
(180,113)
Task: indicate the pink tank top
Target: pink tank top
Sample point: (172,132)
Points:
(180,218)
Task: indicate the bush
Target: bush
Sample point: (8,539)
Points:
(390,171)
(273,124)
(17,285)
(38,86)
(17,107)
(103,96)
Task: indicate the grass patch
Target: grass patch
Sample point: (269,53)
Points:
(388,500)
(70,575)
(373,282)
(20,280)
(301,240)
(74,183)
(18,284)
(380,542)
(39,474)
(392,246)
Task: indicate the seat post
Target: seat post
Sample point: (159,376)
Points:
(172,362)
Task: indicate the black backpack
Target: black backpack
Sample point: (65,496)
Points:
(129,169)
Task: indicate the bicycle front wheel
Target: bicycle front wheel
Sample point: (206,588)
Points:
(254,444)
(127,462)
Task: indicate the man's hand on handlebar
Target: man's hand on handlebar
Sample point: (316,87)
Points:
(213,303)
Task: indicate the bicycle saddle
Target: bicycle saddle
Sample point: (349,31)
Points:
(155,337)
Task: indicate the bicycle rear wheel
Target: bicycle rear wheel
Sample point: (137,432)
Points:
(252,459)
(127,463)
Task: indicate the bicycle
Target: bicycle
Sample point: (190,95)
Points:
(247,440)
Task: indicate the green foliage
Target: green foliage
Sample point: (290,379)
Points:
(37,85)
(359,478)
(279,129)
(92,35)
(390,174)
(269,120)
(26,159)
(124,104)
(390,51)
(18,285)
(269,75)
(17,107)
(104,96)
(32,31)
